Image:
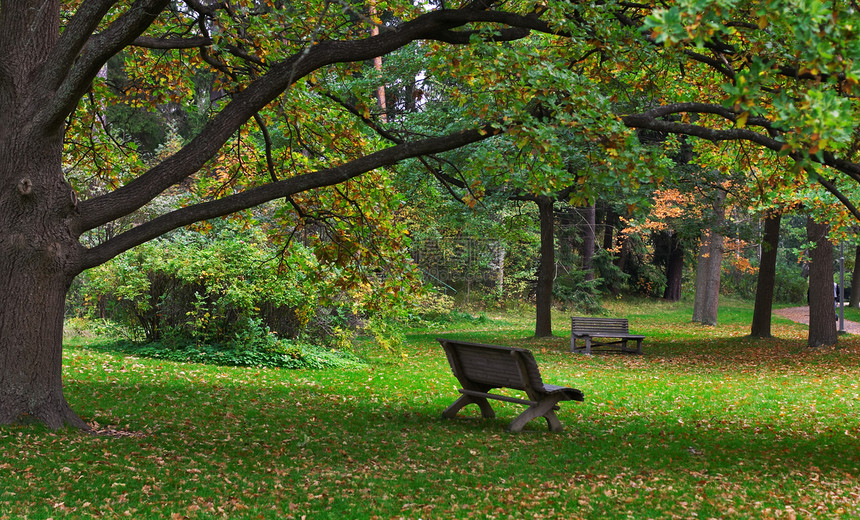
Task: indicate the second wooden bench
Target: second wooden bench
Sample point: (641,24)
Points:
(586,328)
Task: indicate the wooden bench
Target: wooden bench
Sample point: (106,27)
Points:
(480,368)
(588,328)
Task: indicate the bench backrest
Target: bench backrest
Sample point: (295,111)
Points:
(492,365)
(584,325)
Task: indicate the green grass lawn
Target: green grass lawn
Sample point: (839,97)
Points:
(707,424)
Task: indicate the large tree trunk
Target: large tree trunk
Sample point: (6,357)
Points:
(762,312)
(822,314)
(609,219)
(39,257)
(674,269)
(712,287)
(546,268)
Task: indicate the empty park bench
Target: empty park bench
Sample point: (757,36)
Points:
(586,328)
(480,368)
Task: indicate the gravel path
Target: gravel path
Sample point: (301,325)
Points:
(801,315)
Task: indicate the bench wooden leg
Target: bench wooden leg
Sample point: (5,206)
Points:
(546,409)
(486,410)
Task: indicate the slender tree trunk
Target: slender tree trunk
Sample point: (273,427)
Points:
(588,241)
(546,268)
(709,269)
(674,269)
(715,267)
(501,252)
(701,278)
(762,312)
(377,64)
(609,230)
(855,281)
(822,314)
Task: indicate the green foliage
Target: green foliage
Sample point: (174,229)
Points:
(789,284)
(203,288)
(610,277)
(576,293)
(431,307)
(253,347)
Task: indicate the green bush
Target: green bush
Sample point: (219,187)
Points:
(573,291)
(230,297)
(204,288)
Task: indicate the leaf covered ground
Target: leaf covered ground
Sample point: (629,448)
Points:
(706,424)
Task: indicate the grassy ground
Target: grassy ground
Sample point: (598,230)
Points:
(707,423)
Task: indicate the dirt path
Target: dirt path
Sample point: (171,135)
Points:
(801,315)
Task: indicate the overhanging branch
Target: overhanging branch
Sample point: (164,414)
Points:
(284,188)
(150,42)
(262,91)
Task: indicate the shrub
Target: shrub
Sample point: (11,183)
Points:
(577,293)
(230,297)
(205,288)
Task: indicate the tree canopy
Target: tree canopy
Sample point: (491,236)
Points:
(280,100)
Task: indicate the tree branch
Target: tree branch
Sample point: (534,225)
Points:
(284,188)
(94,54)
(649,120)
(829,186)
(75,36)
(260,92)
(150,42)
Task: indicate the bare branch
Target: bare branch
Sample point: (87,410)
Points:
(75,36)
(150,42)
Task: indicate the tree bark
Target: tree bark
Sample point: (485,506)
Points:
(39,258)
(39,255)
(822,313)
(709,268)
(674,269)
(712,290)
(588,241)
(609,220)
(766,282)
(546,268)
(701,278)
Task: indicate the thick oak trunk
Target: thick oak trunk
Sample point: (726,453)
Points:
(39,257)
(546,268)
(762,313)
